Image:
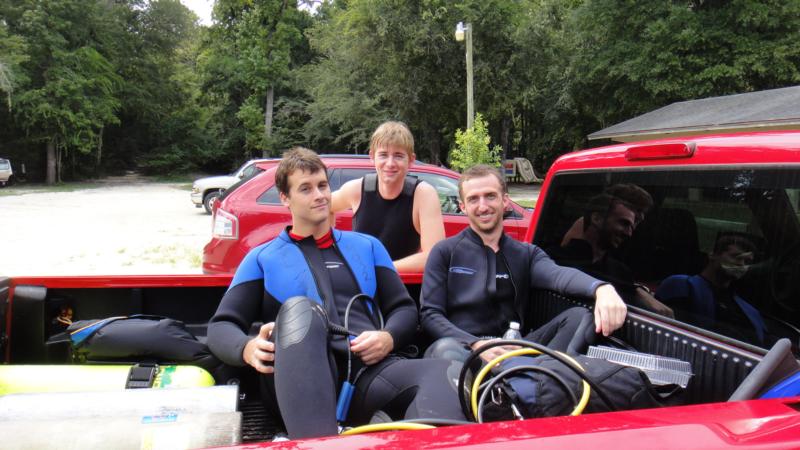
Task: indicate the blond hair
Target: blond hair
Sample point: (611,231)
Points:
(392,133)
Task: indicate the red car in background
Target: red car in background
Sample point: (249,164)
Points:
(250,213)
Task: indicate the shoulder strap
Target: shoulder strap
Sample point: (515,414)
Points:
(410,185)
(370,183)
(84,332)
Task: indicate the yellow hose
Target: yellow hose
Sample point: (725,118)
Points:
(525,351)
(390,426)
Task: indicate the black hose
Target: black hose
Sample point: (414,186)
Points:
(505,373)
(463,393)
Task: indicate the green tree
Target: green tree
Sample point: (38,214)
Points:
(69,95)
(472,147)
(163,127)
(630,57)
(247,64)
(385,59)
(12,54)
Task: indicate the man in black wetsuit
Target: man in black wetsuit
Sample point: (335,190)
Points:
(478,281)
(608,221)
(298,285)
(402,212)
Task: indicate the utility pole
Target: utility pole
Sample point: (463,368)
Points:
(463,31)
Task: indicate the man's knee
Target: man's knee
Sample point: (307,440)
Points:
(582,322)
(448,348)
(299,319)
(575,315)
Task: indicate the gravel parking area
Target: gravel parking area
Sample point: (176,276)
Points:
(121,226)
(118,228)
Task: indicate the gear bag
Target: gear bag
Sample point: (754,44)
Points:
(537,394)
(138,338)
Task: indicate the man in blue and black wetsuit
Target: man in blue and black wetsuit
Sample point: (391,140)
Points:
(479,280)
(302,284)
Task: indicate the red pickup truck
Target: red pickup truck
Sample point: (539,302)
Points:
(703,189)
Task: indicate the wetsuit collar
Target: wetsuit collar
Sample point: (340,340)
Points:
(475,237)
(333,235)
(325,241)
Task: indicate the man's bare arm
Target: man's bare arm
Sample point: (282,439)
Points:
(429,224)
(348,196)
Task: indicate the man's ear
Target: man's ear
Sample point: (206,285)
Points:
(284,199)
(412,158)
(371,155)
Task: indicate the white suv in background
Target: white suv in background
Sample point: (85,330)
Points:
(205,190)
(5,172)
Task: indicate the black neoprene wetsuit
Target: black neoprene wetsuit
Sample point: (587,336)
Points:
(391,221)
(460,285)
(303,288)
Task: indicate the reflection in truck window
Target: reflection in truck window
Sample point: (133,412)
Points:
(680,236)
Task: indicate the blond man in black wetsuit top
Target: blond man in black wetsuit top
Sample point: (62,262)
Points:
(402,212)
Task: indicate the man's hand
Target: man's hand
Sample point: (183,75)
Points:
(372,346)
(493,352)
(259,352)
(652,304)
(609,310)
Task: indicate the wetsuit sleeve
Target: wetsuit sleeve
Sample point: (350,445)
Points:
(239,308)
(546,274)
(397,306)
(434,298)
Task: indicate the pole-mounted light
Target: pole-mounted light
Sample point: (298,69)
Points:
(465,31)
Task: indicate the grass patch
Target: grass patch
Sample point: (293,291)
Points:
(526,203)
(172,255)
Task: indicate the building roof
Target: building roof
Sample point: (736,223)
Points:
(774,109)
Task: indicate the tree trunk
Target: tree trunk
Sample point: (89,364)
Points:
(268,120)
(51,161)
(505,132)
(99,150)
(434,145)
(59,166)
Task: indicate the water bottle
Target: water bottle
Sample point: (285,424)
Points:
(513,331)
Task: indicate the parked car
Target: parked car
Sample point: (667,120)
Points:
(252,213)
(206,190)
(741,394)
(5,172)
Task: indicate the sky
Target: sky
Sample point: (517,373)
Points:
(202,8)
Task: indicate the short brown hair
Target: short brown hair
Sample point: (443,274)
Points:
(480,171)
(603,204)
(392,133)
(640,200)
(297,158)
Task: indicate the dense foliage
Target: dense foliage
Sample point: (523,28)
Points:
(93,87)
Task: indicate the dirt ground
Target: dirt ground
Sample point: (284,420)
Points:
(120,227)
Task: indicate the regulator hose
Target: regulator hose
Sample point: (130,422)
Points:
(571,364)
(389,426)
(490,384)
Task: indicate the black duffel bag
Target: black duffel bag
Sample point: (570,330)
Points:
(544,393)
(138,338)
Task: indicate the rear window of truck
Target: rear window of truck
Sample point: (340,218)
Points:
(719,247)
